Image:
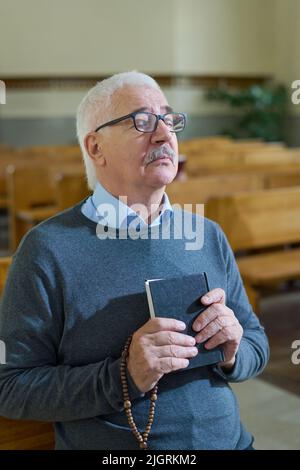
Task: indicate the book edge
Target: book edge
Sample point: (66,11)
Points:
(149,298)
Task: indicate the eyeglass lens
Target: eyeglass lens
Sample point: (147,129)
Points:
(146,122)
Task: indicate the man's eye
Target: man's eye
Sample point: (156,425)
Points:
(141,122)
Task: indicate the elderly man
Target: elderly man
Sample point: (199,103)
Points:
(75,294)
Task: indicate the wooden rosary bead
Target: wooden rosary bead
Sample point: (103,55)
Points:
(143,445)
(141,438)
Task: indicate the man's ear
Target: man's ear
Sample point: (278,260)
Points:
(92,143)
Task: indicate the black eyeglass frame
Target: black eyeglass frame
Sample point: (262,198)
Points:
(132,115)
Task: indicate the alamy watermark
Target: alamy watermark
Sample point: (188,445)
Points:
(296,352)
(2,352)
(2,92)
(185,224)
(296,94)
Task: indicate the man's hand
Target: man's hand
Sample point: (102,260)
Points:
(219,325)
(158,348)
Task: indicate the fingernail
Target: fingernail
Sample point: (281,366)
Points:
(207,297)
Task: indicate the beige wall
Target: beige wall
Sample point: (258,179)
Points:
(225,36)
(286,44)
(81,37)
(60,37)
(42,37)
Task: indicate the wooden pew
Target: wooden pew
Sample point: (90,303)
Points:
(25,435)
(19,158)
(238,168)
(267,220)
(223,162)
(70,188)
(201,147)
(54,157)
(33,195)
(51,151)
(200,144)
(30,199)
(282,180)
(5,263)
(22,435)
(9,157)
(201,189)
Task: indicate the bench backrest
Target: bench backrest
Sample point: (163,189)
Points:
(258,219)
(201,189)
(4,266)
(70,188)
(220,161)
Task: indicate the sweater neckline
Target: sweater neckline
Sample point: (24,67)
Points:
(76,211)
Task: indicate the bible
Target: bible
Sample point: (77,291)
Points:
(179,298)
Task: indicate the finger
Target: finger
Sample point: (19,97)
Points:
(214,327)
(163,324)
(210,314)
(226,334)
(215,295)
(163,338)
(176,351)
(170,364)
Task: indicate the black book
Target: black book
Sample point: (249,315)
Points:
(179,298)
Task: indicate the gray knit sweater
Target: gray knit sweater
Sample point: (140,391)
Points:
(70,302)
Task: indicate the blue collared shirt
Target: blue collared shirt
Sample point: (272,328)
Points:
(104,207)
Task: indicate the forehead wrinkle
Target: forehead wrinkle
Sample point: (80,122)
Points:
(146,101)
(165,108)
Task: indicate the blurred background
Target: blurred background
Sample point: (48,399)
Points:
(232,66)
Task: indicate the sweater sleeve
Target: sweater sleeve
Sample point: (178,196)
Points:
(33,384)
(253,352)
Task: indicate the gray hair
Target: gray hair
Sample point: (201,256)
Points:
(95,108)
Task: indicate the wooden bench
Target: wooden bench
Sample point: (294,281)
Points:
(268,220)
(215,162)
(30,199)
(5,263)
(201,147)
(70,188)
(52,151)
(25,435)
(201,189)
(204,143)
(17,434)
(50,156)
(8,157)
(33,193)
(282,180)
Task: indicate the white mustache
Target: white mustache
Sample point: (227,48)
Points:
(164,150)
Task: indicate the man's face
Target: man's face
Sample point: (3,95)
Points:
(125,149)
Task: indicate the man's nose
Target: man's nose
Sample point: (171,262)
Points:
(162,133)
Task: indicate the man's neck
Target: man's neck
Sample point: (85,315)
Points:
(150,204)
(145,202)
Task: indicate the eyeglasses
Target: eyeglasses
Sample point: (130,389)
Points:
(148,122)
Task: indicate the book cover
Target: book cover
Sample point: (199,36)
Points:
(179,298)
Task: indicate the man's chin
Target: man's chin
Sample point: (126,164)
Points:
(163,178)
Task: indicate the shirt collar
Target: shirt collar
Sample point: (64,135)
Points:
(116,214)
